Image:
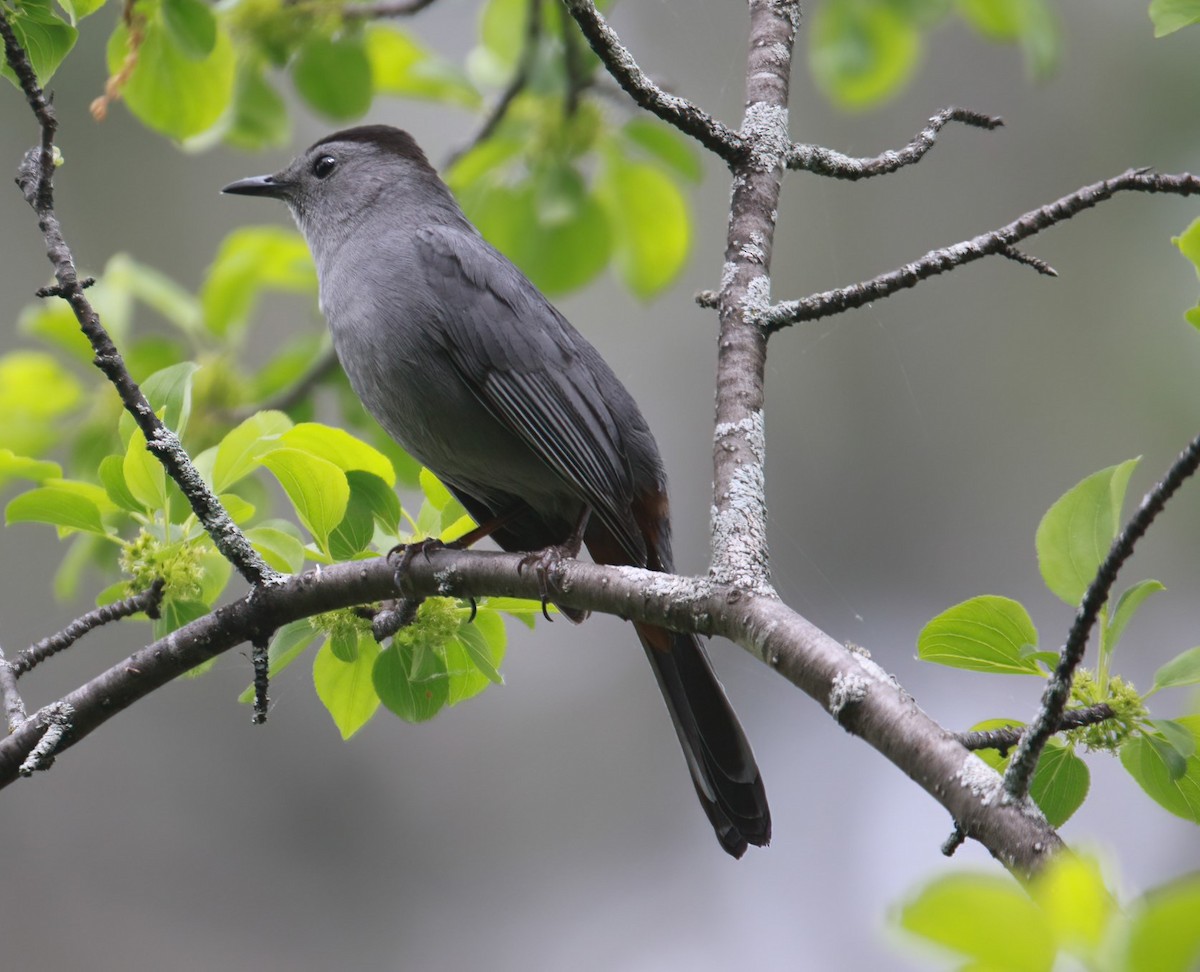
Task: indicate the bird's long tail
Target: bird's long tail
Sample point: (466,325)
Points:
(719,757)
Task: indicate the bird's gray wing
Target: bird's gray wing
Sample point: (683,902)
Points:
(534,372)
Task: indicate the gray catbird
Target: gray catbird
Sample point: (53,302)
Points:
(464,362)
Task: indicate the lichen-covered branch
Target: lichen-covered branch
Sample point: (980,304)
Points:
(827,162)
(1005,738)
(687,117)
(35,178)
(14,705)
(848,684)
(998,241)
(1058,688)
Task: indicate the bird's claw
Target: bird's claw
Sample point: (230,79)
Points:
(542,562)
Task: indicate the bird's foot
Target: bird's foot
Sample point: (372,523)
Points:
(543,562)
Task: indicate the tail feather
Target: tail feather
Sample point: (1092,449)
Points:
(719,757)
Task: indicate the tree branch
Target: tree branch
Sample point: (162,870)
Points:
(14,705)
(827,162)
(1058,690)
(998,241)
(680,112)
(34,177)
(857,692)
(1004,739)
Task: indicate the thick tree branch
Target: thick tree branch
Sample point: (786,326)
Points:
(827,162)
(998,241)
(1058,689)
(680,112)
(14,705)
(739,515)
(35,177)
(852,688)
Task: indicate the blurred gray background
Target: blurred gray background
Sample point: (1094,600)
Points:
(914,445)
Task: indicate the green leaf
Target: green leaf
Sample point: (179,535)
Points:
(289,643)
(334,76)
(378,497)
(411,681)
(46,37)
(1075,534)
(525,611)
(474,656)
(169,393)
(112,476)
(343,644)
(248,261)
(339,447)
(168,90)
(238,453)
(13,466)
(278,546)
(1127,606)
(154,289)
(317,488)
(1183,669)
(354,532)
(401,66)
(36,393)
(345,687)
(192,27)
(1169,16)
(1071,893)
(174,613)
(1152,762)
(1163,932)
(260,116)
(78,9)
(1060,783)
(666,145)
(1029,22)
(983,634)
(65,508)
(438,495)
(651,227)
(240,510)
(975,915)
(144,475)
(862,53)
(1177,736)
(560,246)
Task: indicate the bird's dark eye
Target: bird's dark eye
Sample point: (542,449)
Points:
(323,166)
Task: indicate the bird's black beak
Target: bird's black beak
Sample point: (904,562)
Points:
(265,185)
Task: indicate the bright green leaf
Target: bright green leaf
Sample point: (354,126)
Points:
(474,656)
(401,66)
(343,644)
(339,447)
(1169,16)
(983,634)
(1183,669)
(1029,22)
(237,454)
(1164,935)
(651,227)
(169,393)
(240,510)
(112,476)
(334,76)
(144,475)
(13,466)
(36,392)
(278,546)
(1149,761)
(411,681)
(78,9)
(1075,534)
(666,145)
(260,116)
(1060,783)
(192,26)
(978,917)
(57,505)
(1176,735)
(317,488)
(378,497)
(345,687)
(168,90)
(1072,895)
(525,611)
(353,533)
(248,261)
(46,37)
(1127,606)
(862,53)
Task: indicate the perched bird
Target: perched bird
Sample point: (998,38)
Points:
(470,368)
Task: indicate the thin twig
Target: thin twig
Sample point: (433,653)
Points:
(260,659)
(517,84)
(827,162)
(54,722)
(147,602)
(687,117)
(998,241)
(573,66)
(395,615)
(34,177)
(1058,689)
(1004,739)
